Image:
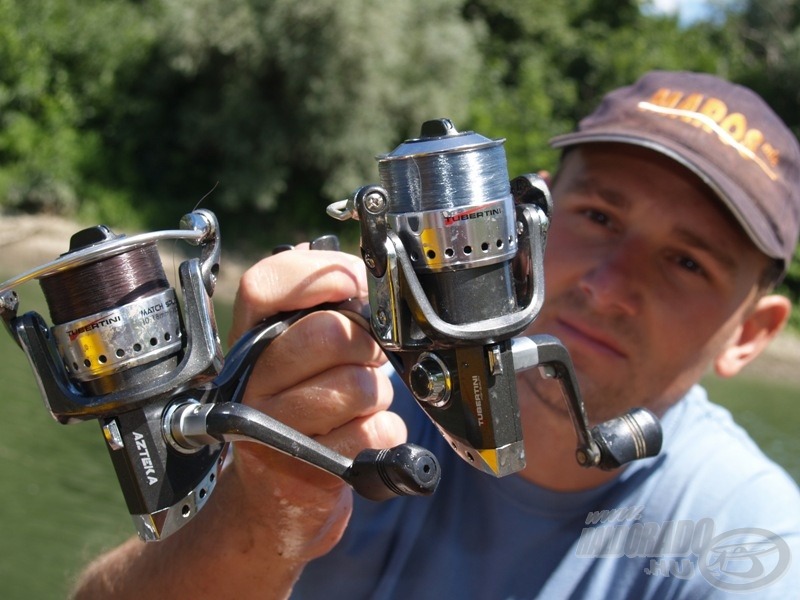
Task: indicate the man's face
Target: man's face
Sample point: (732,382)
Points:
(647,277)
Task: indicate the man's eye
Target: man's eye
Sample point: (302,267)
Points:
(598,217)
(691,265)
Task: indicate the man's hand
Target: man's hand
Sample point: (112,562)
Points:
(321,378)
(271,513)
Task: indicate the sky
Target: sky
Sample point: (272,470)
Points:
(688,10)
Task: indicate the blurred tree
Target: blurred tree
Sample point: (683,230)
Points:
(764,37)
(549,62)
(58,64)
(285,103)
(765,40)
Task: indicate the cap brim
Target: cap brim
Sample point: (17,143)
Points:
(752,221)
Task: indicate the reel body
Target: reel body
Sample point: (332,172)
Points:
(454,254)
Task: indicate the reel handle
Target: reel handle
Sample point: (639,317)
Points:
(405,470)
(214,413)
(633,436)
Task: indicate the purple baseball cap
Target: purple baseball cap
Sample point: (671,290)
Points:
(725,133)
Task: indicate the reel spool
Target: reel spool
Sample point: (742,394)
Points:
(116,321)
(451,207)
(118,335)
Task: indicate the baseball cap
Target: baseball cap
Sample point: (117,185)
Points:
(724,133)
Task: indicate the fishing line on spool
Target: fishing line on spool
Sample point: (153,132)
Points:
(442,181)
(103,285)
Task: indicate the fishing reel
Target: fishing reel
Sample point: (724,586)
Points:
(123,351)
(454,255)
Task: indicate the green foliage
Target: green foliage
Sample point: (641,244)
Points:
(60,61)
(521,94)
(284,104)
(135,110)
(791,288)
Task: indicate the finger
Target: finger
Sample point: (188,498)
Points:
(312,345)
(325,402)
(546,176)
(294,280)
(383,429)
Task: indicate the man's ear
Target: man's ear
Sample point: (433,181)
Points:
(764,322)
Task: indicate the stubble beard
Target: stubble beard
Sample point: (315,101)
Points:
(603,399)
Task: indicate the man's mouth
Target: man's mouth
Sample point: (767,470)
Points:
(577,333)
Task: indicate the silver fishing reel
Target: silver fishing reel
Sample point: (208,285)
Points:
(124,351)
(454,254)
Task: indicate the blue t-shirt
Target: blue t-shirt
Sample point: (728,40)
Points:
(711,516)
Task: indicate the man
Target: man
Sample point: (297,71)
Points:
(677,207)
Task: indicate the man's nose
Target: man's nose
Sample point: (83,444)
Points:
(616,278)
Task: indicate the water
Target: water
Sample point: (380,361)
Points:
(770,412)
